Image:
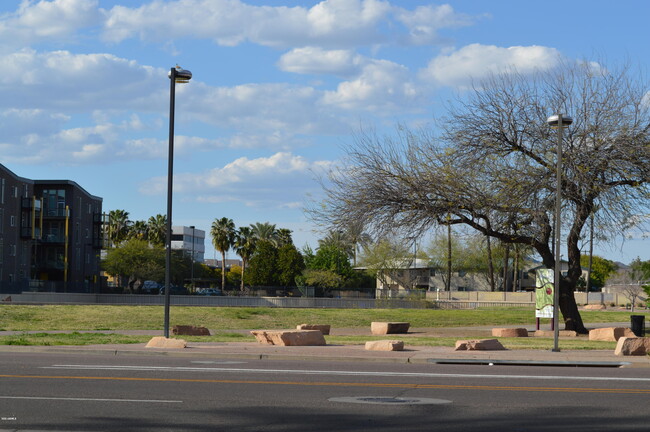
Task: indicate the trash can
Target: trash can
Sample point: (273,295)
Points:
(638,325)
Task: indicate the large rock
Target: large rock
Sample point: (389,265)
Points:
(323,328)
(479,345)
(189,330)
(551,333)
(382,328)
(289,337)
(632,346)
(611,334)
(163,342)
(385,345)
(595,307)
(509,332)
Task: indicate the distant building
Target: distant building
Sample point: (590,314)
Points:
(191,240)
(229,263)
(50,235)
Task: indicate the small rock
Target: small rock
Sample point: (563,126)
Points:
(382,328)
(324,328)
(385,345)
(509,332)
(632,346)
(479,345)
(163,342)
(611,334)
(289,337)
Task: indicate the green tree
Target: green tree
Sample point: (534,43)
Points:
(331,257)
(138,230)
(137,261)
(325,279)
(118,226)
(244,246)
(289,265)
(601,269)
(265,232)
(262,270)
(223,237)
(157,229)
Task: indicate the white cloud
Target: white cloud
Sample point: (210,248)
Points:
(476,61)
(329,23)
(283,178)
(314,60)
(47,20)
(425,21)
(381,86)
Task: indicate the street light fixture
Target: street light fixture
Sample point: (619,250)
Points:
(558,122)
(176,75)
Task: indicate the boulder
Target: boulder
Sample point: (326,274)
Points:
(163,342)
(551,333)
(324,328)
(509,332)
(632,346)
(289,337)
(189,330)
(595,307)
(382,328)
(385,345)
(479,345)
(611,334)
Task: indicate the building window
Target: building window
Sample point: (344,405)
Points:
(12,221)
(12,250)
(2,250)
(2,192)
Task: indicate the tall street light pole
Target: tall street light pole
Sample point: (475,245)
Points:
(192,269)
(176,75)
(559,122)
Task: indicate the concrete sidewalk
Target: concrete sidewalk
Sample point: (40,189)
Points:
(328,353)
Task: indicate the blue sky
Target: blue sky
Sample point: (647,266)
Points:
(278,88)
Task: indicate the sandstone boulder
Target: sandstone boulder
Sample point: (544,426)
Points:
(189,330)
(382,328)
(289,337)
(611,334)
(479,345)
(551,333)
(595,307)
(163,342)
(632,346)
(385,345)
(509,332)
(323,328)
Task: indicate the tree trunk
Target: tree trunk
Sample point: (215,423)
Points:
(223,271)
(448,284)
(490,265)
(243,268)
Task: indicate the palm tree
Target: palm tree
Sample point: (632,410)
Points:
(118,226)
(265,231)
(139,230)
(245,247)
(356,235)
(338,240)
(223,237)
(284,237)
(157,229)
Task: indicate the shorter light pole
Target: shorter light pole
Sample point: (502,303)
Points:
(192,269)
(559,122)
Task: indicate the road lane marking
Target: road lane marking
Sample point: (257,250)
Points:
(338,373)
(342,384)
(90,399)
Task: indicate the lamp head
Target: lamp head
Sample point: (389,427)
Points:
(180,75)
(554,121)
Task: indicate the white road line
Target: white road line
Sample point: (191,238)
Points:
(339,373)
(90,399)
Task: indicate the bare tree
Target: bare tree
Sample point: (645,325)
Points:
(492,166)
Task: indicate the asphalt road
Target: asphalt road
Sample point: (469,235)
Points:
(62,392)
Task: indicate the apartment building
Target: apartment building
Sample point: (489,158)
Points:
(50,235)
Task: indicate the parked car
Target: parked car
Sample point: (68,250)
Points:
(150,287)
(209,292)
(174,290)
